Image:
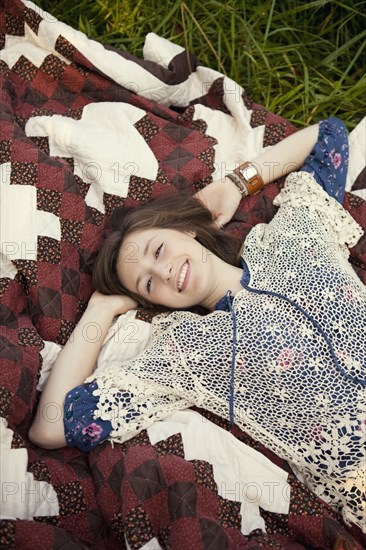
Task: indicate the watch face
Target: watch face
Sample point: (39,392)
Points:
(248,173)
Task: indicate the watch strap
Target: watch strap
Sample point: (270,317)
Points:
(238,182)
(250,177)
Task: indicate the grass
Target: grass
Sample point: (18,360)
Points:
(302,60)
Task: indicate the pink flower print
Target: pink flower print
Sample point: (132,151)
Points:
(286,359)
(172,348)
(93,431)
(348,293)
(336,159)
(314,435)
(240,364)
(362,426)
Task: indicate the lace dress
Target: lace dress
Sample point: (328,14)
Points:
(286,362)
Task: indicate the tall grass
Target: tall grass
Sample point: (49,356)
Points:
(303,60)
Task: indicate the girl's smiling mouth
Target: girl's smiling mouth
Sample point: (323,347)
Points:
(183,277)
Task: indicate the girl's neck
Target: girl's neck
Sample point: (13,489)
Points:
(228,278)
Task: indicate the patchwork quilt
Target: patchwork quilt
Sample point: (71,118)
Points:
(84,130)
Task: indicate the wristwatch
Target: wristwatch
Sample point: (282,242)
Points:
(250,178)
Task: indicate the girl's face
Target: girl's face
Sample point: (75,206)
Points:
(168,267)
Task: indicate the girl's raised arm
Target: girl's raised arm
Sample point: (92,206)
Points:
(222,196)
(73,365)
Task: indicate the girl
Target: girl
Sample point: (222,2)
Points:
(281,353)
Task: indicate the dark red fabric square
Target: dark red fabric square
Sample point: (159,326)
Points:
(49,274)
(91,238)
(18,413)
(70,281)
(182,500)
(73,207)
(49,327)
(208,506)
(50,176)
(213,535)
(116,476)
(72,79)
(183,470)
(108,501)
(69,256)
(9,351)
(157,510)
(186,529)
(69,306)
(130,499)
(147,480)
(137,455)
(161,145)
(24,151)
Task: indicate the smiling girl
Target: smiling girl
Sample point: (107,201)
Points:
(281,352)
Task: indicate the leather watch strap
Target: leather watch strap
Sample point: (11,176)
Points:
(240,184)
(249,175)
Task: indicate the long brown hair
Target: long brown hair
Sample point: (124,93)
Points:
(179,212)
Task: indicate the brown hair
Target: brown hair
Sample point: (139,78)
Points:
(179,212)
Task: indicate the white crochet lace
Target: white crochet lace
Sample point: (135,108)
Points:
(291,388)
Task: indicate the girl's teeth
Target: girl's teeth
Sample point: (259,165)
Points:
(182,276)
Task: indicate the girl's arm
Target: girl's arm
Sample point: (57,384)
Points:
(288,155)
(222,197)
(73,365)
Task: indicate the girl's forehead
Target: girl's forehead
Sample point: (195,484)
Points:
(136,242)
(147,233)
(139,236)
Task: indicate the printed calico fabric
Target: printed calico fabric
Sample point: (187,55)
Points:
(328,161)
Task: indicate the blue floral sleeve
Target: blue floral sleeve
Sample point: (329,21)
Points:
(328,160)
(81,429)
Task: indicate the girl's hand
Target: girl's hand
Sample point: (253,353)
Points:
(222,198)
(115,303)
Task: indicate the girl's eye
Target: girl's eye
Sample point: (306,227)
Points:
(157,254)
(148,285)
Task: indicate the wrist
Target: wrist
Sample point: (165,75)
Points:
(233,180)
(100,310)
(250,177)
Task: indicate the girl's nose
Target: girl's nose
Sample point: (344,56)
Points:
(165,272)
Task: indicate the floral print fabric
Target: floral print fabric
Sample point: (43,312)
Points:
(81,430)
(328,160)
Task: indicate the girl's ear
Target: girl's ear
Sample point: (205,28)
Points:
(192,234)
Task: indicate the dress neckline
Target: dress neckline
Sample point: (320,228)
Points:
(222,304)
